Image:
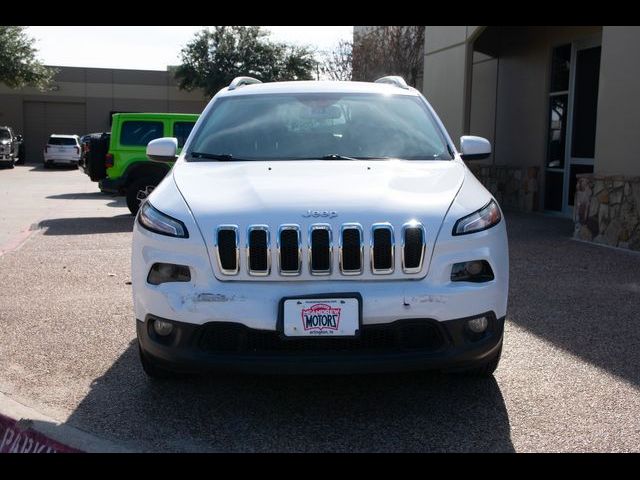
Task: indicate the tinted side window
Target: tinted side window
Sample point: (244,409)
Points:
(181,131)
(140,133)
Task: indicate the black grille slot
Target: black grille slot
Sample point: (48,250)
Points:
(289,251)
(258,251)
(320,250)
(227,249)
(382,249)
(413,247)
(351,248)
(419,335)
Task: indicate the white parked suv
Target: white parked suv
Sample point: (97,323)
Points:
(63,149)
(317,227)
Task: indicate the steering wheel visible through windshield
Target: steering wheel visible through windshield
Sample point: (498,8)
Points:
(318,126)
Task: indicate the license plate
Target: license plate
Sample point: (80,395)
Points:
(321,317)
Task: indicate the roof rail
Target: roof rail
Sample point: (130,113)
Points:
(241,81)
(394,80)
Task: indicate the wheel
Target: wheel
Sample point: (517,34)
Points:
(11,164)
(138,191)
(47,165)
(153,370)
(485,370)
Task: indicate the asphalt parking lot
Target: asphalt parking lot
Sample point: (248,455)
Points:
(569,379)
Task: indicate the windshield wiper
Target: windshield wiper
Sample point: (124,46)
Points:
(335,156)
(222,157)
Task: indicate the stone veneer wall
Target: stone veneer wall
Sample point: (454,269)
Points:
(607,210)
(513,187)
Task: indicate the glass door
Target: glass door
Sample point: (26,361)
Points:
(573,103)
(583,112)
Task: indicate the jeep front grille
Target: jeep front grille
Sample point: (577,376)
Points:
(320,259)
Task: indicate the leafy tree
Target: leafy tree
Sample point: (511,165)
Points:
(19,66)
(389,50)
(215,57)
(338,63)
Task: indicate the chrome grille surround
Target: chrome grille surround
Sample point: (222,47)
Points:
(282,228)
(378,226)
(258,273)
(312,228)
(408,225)
(348,226)
(225,271)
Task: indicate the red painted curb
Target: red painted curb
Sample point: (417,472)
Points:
(19,437)
(15,241)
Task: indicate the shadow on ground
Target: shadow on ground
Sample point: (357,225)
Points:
(51,168)
(86,225)
(582,297)
(408,412)
(114,200)
(81,196)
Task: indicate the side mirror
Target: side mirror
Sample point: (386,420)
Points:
(474,148)
(163,149)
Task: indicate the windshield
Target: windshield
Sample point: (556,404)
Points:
(5,135)
(318,126)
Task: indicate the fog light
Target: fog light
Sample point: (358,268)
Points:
(478,325)
(477,271)
(162,328)
(168,272)
(474,268)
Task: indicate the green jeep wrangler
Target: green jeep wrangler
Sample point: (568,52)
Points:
(126,166)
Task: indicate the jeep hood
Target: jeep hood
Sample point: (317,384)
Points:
(275,193)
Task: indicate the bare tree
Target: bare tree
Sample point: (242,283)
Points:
(389,50)
(337,64)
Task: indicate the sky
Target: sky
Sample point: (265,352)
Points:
(148,47)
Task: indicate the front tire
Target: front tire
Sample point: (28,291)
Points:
(138,191)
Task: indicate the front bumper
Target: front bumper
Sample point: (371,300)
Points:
(404,345)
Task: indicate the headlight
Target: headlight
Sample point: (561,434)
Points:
(154,220)
(487,217)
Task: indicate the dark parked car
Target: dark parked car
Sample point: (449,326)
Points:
(10,147)
(94,148)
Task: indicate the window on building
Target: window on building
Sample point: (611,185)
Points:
(557,126)
(140,133)
(181,131)
(585,104)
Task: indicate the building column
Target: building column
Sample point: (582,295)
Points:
(447,75)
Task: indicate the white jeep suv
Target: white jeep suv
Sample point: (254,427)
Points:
(318,227)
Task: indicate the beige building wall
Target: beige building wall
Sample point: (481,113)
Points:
(618,124)
(95,92)
(445,79)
